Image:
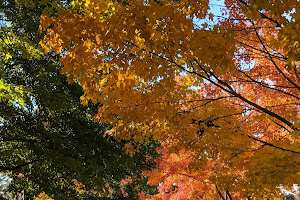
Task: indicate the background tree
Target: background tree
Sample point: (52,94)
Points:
(49,140)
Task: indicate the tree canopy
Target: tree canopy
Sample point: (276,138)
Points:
(49,140)
(225,88)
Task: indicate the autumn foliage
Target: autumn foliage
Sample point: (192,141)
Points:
(176,181)
(43,196)
(221,91)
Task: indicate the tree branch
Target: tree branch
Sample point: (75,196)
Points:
(272,60)
(18,166)
(272,145)
(262,15)
(227,87)
(266,85)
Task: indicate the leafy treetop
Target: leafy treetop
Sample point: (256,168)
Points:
(227,91)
